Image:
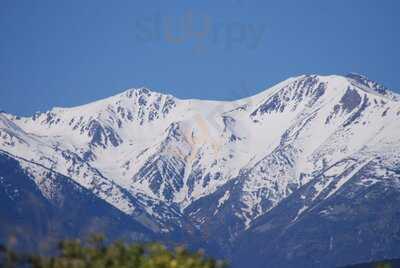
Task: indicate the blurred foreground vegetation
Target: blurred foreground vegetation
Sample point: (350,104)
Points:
(95,253)
(394,263)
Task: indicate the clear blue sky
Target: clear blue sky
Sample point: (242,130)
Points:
(66,53)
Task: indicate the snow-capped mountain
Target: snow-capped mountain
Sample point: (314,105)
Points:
(216,167)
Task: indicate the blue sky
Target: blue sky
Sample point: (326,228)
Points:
(66,53)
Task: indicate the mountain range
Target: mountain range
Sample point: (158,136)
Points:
(303,174)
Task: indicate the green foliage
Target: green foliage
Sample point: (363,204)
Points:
(377,264)
(94,253)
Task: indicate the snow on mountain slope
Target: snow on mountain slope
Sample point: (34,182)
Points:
(352,205)
(335,121)
(142,150)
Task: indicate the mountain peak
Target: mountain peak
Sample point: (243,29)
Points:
(138,90)
(141,91)
(355,75)
(369,85)
(357,80)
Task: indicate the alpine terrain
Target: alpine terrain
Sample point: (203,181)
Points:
(304,174)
